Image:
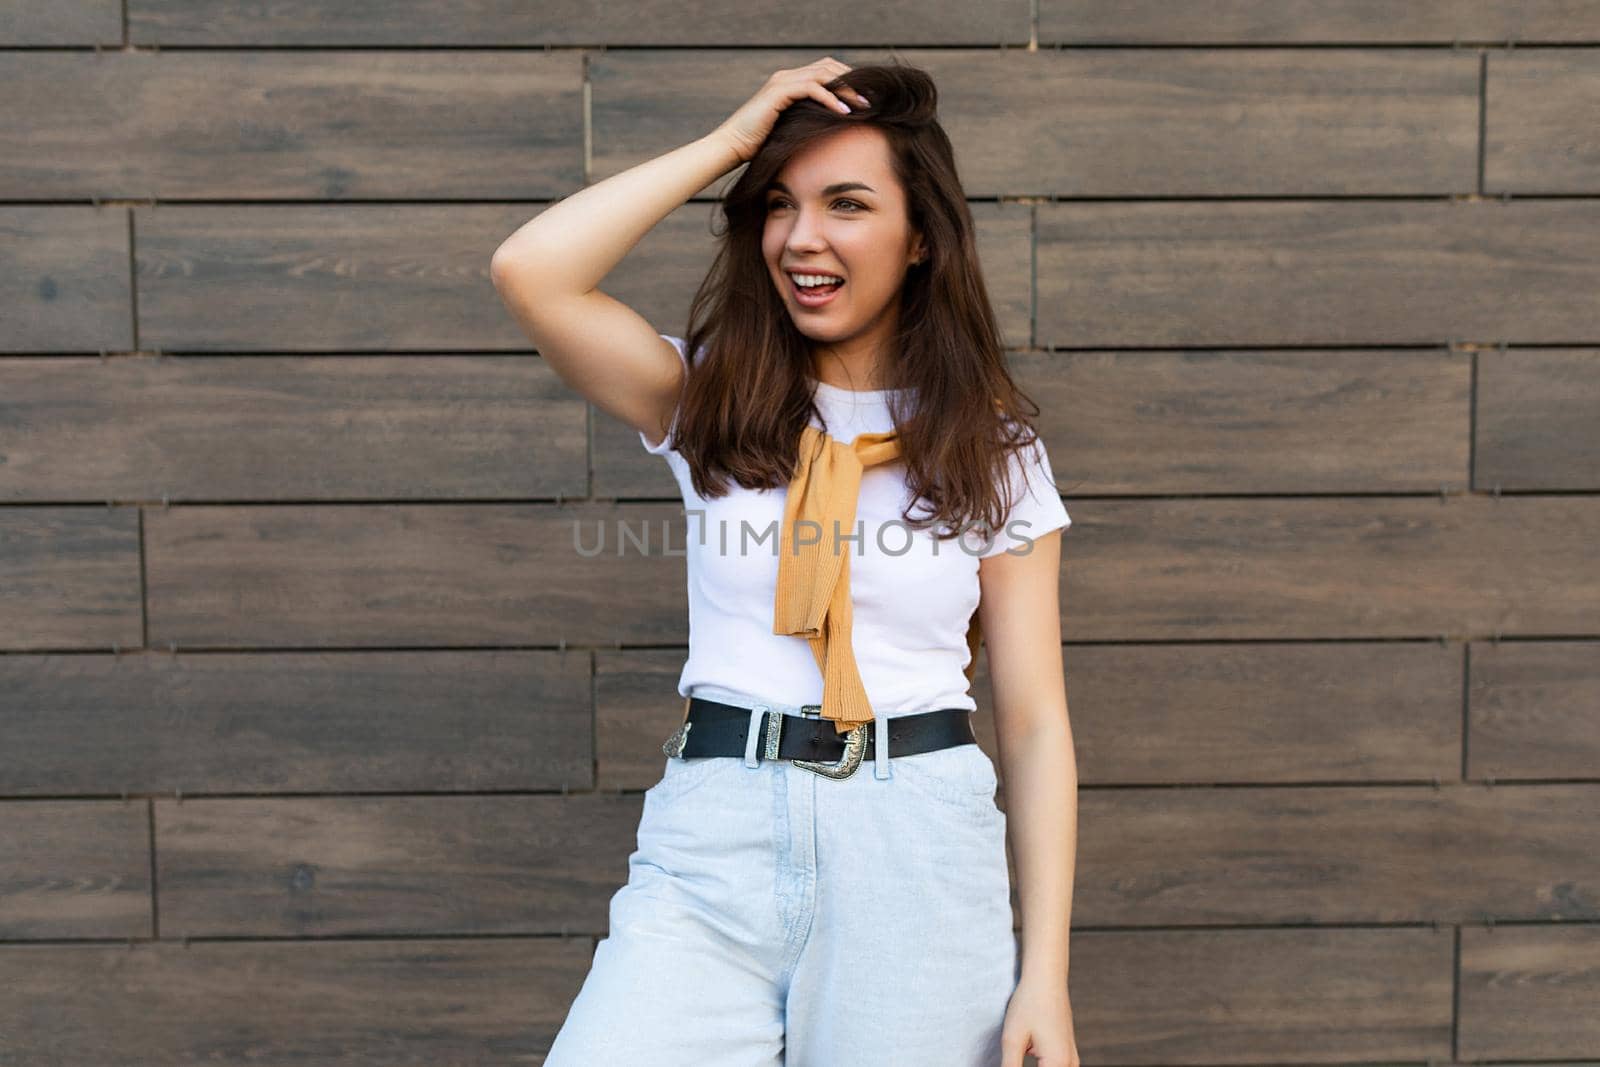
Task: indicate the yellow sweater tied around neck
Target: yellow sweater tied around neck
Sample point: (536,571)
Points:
(813,599)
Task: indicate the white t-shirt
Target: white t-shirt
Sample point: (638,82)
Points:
(912,595)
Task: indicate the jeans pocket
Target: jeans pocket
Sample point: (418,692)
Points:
(962,776)
(681,776)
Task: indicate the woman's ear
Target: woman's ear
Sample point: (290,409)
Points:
(919,249)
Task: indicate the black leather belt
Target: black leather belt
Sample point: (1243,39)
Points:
(713,728)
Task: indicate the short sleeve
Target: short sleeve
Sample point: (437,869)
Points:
(1036,504)
(667,443)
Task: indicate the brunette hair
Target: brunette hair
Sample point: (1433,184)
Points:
(748,396)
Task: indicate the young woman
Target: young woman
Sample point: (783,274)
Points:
(846,372)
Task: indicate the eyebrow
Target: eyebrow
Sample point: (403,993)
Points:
(836,187)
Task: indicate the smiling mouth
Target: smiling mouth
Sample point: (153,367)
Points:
(813,296)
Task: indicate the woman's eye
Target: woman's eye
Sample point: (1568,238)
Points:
(773,204)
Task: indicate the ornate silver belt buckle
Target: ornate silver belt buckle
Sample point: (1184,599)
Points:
(673,746)
(855,745)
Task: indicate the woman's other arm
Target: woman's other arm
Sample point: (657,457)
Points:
(1020,611)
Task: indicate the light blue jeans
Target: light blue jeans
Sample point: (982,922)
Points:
(773,916)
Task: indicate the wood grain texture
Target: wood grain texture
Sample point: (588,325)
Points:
(444,575)
(1538,419)
(1459,853)
(1535,710)
(507,23)
(64,281)
(436,1001)
(292,125)
(326,277)
(1334,995)
(61,22)
(1318,273)
(1529,992)
(1350,567)
(1265,713)
(1116,123)
(326,866)
(1540,122)
(1255,422)
(270,428)
(295,722)
(73,869)
(1322,22)
(70,578)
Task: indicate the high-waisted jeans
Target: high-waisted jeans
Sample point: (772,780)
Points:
(774,916)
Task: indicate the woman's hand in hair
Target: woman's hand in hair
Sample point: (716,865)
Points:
(748,127)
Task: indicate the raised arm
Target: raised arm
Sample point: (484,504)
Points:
(548,272)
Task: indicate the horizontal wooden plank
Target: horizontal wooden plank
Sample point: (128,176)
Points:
(1336,854)
(319,866)
(1262,996)
(424,575)
(391,277)
(1116,123)
(1315,21)
(1339,273)
(290,428)
(70,579)
(1149,857)
(636,706)
(291,125)
(1539,121)
(1265,713)
(61,22)
(1351,567)
(1529,991)
(373,277)
(296,722)
(483,1001)
(72,869)
(1253,422)
(622,468)
(1538,419)
(507,23)
(1535,710)
(415,575)
(64,278)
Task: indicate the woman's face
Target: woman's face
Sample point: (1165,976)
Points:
(836,208)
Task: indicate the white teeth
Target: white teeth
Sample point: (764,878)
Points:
(809,280)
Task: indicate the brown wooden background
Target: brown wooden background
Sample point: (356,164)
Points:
(319,744)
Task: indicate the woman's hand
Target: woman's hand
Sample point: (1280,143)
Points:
(1038,1022)
(749,126)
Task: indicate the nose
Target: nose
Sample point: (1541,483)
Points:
(805,235)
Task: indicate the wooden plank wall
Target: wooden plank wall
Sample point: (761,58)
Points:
(319,744)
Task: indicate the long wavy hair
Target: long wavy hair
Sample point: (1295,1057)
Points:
(747,397)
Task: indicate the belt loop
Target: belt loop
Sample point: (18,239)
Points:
(753,735)
(880,746)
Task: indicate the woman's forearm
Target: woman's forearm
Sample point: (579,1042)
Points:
(1042,818)
(574,243)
